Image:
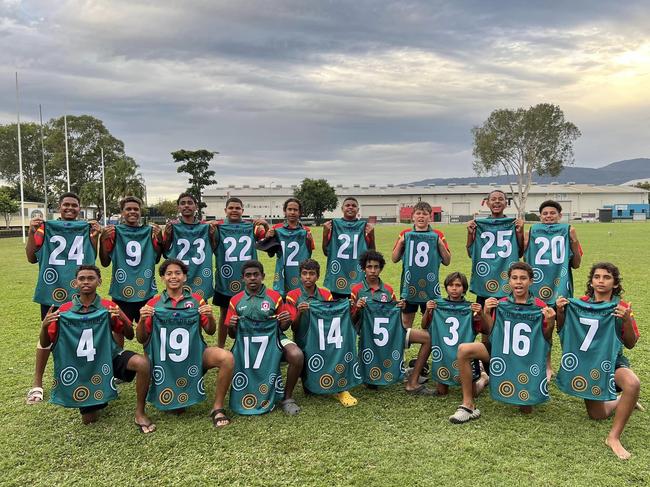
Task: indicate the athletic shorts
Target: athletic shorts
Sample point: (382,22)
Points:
(413,307)
(338,296)
(407,338)
(481,300)
(120,371)
(221,300)
(131,309)
(45,308)
(622,362)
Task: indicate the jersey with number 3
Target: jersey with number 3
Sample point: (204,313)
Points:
(420,267)
(347,243)
(134,261)
(493,251)
(590,343)
(191,244)
(236,245)
(66,246)
(294,250)
(257,381)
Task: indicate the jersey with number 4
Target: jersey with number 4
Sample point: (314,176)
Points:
(175,351)
(590,343)
(134,261)
(493,251)
(330,348)
(191,244)
(294,249)
(66,246)
(420,266)
(452,324)
(83,360)
(235,245)
(518,355)
(347,243)
(257,381)
(549,254)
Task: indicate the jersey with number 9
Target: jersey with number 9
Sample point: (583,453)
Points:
(134,261)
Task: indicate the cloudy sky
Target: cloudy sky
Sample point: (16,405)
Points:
(358,91)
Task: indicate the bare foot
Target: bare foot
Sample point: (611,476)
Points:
(144,424)
(526,409)
(617,448)
(89,418)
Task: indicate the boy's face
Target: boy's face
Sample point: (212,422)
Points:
(87,281)
(253,279)
(187,207)
(173,278)
(234,211)
(421,218)
(372,269)
(455,290)
(550,215)
(69,208)
(497,203)
(309,277)
(350,209)
(131,213)
(519,282)
(292,213)
(602,281)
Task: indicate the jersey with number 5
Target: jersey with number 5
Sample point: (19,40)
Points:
(66,245)
(134,261)
(347,243)
(191,244)
(235,245)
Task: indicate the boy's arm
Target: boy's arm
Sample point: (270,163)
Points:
(370,236)
(519,232)
(629,329)
(489,314)
(327,234)
(44,336)
(576,250)
(549,319)
(398,249)
(35,225)
(106,244)
(560,305)
(471,236)
(445,254)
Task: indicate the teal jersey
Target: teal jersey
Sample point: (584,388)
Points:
(347,243)
(235,245)
(134,261)
(493,251)
(549,254)
(191,244)
(294,249)
(382,339)
(420,267)
(330,348)
(175,351)
(518,357)
(66,245)
(590,343)
(257,381)
(451,325)
(83,360)
(294,299)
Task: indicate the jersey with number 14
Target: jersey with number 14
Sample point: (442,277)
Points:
(235,245)
(134,261)
(420,266)
(347,243)
(191,244)
(295,249)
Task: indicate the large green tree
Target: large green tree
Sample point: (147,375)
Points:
(167,208)
(317,196)
(522,141)
(197,164)
(8,205)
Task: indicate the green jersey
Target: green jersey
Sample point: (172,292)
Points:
(518,356)
(420,266)
(549,254)
(294,250)
(175,350)
(235,245)
(257,381)
(590,343)
(191,244)
(83,360)
(452,324)
(66,245)
(382,339)
(347,243)
(134,261)
(330,348)
(493,251)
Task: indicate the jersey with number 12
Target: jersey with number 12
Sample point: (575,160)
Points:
(294,250)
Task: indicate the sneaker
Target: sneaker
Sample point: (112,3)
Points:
(464,414)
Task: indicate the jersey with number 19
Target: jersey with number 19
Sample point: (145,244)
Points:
(493,251)
(66,246)
(134,261)
(235,245)
(294,249)
(347,243)
(191,244)
(420,266)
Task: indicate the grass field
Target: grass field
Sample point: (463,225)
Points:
(388,439)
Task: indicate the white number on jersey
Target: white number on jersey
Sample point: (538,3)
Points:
(179,342)
(264,342)
(86,346)
(520,342)
(501,241)
(591,332)
(294,249)
(76,252)
(557,246)
(453,329)
(345,239)
(134,251)
(333,335)
(231,245)
(184,244)
(377,329)
(421,256)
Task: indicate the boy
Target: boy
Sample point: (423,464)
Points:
(423,250)
(519,332)
(344,239)
(88,348)
(169,328)
(59,247)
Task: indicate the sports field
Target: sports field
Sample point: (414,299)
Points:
(388,439)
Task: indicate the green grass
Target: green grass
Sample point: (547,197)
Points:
(388,439)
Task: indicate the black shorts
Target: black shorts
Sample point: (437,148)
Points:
(622,362)
(221,300)
(131,309)
(481,300)
(338,296)
(413,307)
(121,372)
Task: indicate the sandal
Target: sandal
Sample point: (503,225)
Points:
(290,407)
(221,421)
(141,427)
(34,395)
(422,391)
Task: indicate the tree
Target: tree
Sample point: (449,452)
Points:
(167,208)
(644,185)
(8,206)
(196,164)
(317,197)
(520,142)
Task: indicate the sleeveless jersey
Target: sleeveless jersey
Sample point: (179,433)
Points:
(420,267)
(83,360)
(330,348)
(294,251)
(134,261)
(191,244)
(382,339)
(257,381)
(175,351)
(66,246)
(494,249)
(235,246)
(346,245)
(518,357)
(549,254)
(590,345)
(451,325)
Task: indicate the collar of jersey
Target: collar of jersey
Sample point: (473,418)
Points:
(78,306)
(530,301)
(260,293)
(165,298)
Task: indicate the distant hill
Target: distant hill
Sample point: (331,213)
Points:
(615,173)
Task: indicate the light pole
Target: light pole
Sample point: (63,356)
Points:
(271,202)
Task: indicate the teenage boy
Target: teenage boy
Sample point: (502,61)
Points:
(59,247)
